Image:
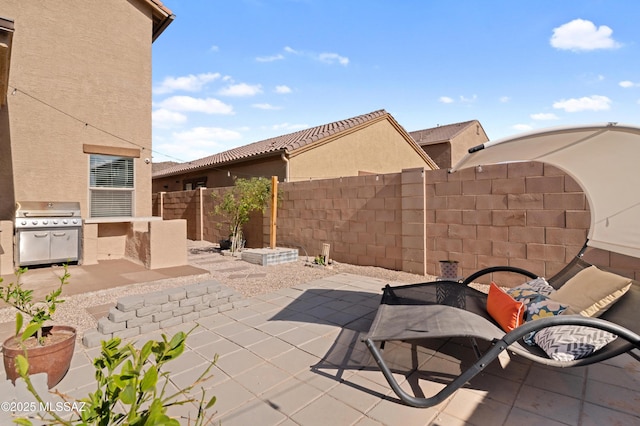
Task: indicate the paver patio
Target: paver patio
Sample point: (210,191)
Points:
(295,357)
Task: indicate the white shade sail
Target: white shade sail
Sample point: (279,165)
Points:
(603,158)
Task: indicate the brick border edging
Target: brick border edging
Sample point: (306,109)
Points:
(143,313)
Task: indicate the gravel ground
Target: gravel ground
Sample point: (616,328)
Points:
(246,278)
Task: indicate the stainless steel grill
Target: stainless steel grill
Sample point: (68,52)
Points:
(48,232)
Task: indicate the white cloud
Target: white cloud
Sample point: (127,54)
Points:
(445,100)
(627,84)
(521,127)
(203,136)
(195,143)
(191,104)
(586,103)
(283,89)
(188,83)
(241,89)
(163,118)
(272,58)
(505,99)
(332,58)
(289,126)
(266,106)
(214,48)
(581,34)
(326,57)
(470,100)
(544,116)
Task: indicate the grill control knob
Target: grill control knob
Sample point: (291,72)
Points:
(55,221)
(24,222)
(74,221)
(34,222)
(45,222)
(64,221)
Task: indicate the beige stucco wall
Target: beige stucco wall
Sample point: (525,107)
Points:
(6,246)
(91,60)
(377,148)
(168,243)
(468,138)
(223,175)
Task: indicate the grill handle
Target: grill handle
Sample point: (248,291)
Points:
(69,214)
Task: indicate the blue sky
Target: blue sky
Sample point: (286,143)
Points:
(230,72)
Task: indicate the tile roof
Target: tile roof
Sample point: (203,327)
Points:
(162,17)
(162,7)
(440,133)
(285,143)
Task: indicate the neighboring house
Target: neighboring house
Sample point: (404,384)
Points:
(448,144)
(366,144)
(75,120)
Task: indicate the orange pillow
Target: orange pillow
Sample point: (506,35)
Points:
(507,311)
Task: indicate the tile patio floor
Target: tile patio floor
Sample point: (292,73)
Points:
(295,357)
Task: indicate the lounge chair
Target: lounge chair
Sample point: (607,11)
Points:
(413,313)
(419,311)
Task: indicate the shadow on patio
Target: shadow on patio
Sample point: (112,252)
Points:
(424,367)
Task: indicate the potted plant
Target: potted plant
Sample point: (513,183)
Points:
(49,349)
(132,387)
(237,203)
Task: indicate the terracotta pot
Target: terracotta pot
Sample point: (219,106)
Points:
(53,359)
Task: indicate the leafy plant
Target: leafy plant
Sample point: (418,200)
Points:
(319,260)
(129,378)
(239,201)
(39,312)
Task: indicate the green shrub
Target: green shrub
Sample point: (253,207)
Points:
(130,378)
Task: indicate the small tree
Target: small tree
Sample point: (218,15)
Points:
(239,201)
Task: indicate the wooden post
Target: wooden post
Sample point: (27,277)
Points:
(201,189)
(274,211)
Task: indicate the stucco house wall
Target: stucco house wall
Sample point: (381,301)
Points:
(222,177)
(471,136)
(91,60)
(380,147)
(372,143)
(80,84)
(447,144)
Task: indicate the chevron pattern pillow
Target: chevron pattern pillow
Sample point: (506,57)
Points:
(571,342)
(541,286)
(531,290)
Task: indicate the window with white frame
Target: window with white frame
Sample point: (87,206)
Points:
(111,186)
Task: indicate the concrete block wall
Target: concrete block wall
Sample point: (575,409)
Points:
(181,205)
(143,313)
(413,221)
(359,216)
(527,215)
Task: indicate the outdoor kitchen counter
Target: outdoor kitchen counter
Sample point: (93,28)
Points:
(121,219)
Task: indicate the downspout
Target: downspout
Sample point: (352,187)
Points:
(286,162)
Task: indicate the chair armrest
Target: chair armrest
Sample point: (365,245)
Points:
(492,269)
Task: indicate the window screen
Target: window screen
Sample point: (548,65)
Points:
(111,185)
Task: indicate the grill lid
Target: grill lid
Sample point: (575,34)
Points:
(47,209)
